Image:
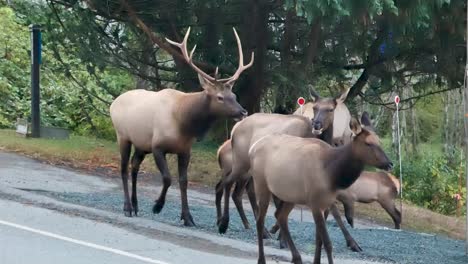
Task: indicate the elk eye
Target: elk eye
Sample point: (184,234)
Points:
(220,98)
(330,110)
(368,144)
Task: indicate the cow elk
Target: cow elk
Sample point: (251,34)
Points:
(258,125)
(309,172)
(168,121)
(381,187)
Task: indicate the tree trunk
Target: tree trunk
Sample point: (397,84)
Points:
(256,24)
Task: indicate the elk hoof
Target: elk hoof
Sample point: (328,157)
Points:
(283,243)
(274,229)
(266,234)
(128,213)
(223,225)
(135,209)
(297,260)
(128,210)
(354,246)
(188,219)
(261,261)
(158,206)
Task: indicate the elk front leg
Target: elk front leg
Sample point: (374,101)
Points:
(183,162)
(321,237)
(125,149)
(161,163)
(137,159)
(264,196)
(282,214)
(350,242)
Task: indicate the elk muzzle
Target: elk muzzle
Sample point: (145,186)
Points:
(241,115)
(317,127)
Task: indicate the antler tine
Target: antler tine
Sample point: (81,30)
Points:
(241,67)
(188,57)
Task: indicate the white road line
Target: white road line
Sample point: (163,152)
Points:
(83,243)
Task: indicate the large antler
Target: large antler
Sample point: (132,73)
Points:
(183,48)
(241,67)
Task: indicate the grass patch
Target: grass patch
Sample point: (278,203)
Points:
(93,154)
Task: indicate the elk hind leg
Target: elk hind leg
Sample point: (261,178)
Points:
(183,162)
(137,159)
(253,203)
(237,198)
(390,208)
(349,212)
(219,196)
(227,185)
(161,163)
(350,242)
(125,149)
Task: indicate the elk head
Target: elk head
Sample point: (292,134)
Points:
(366,144)
(223,101)
(324,110)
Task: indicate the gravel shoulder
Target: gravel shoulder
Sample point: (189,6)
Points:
(77,194)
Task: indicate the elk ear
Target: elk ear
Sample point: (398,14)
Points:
(355,126)
(314,96)
(365,121)
(205,84)
(340,99)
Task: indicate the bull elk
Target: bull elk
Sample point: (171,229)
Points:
(381,187)
(309,172)
(256,126)
(169,121)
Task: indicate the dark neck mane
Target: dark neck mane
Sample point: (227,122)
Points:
(343,168)
(195,116)
(327,135)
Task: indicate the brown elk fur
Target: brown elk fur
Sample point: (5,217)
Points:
(381,187)
(169,121)
(308,171)
(322,108)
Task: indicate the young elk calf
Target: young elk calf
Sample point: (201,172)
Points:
(169,121)
(309,171)
(381,187)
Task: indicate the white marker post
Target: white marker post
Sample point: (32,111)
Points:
(301,102)
(397,102)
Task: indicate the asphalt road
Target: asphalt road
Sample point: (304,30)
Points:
(35,235)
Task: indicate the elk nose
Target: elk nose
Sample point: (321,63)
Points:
(317,125)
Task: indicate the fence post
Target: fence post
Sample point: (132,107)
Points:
(35,80)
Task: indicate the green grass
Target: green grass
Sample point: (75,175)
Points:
(90,154)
